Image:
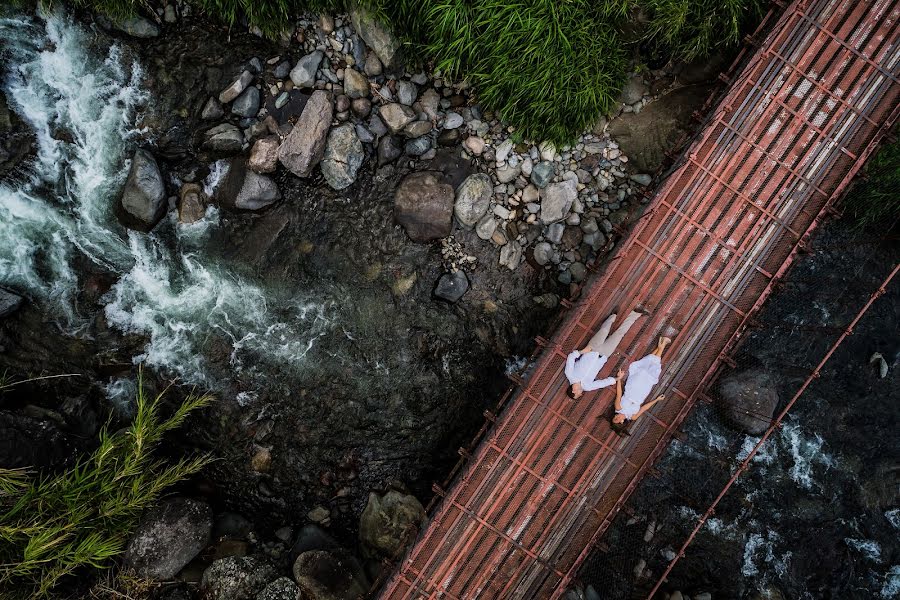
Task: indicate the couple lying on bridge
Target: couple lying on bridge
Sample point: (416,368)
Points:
(582,367)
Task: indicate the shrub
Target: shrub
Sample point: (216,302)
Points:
(51,526)
(875,200)
(692,29)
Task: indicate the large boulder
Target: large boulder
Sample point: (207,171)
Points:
(236,578)
(168,537)
(9,303)
(423,205)
(304,147)
(243,189)
(144,197)
(282,588)
(343,157)
(389,522)
(324,575)
(377,36)
(473,197)
(556,200)
(748,399)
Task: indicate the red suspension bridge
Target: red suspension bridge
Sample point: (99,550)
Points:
(548,475)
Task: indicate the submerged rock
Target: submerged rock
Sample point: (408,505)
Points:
(243,189)
(191,203)
(143,199)
(168,537)
(324,575)
(236,578)
(423,205)
(304,147)
(343,157)
(749,399)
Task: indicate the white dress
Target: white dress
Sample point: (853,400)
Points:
(642,376)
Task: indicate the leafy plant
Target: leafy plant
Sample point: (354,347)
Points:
(875,201)
(53,525)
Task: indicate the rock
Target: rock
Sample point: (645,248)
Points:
(541,174)
(390,521)
(508,173)
(474,144)
(486,227)
(144,197)
(542,252)
(449,137)
(243,189)
(749,399)
(473,197)
(236,578)
(343,157)
(303,75)
(397,116)
(324,575)
(247,104)
(633,91)
(261,461)
(373,66)
(282,70)
(361,107)
(452,286)
(191,203)
(417,129)
(9,303)
(138,27)
(264,155)
(388,150)
(236,88)
(578,271)
(355,83)
(556,200)
(282,588)
(407,92)
(503,150)
(430,103)
(304,147)
(641,179)
(312,537)
(511,255)
(547,150)
(225,138)
(453,120)
(168,537)
(212,110)
(231,525)
(377,36)
(423,206)
(418,146)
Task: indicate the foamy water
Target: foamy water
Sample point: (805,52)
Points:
(168,290)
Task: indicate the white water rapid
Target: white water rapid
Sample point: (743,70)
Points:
(82,101)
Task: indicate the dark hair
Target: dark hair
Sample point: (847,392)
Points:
(620,428)
(570,393)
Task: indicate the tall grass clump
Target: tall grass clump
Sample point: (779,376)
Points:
(875,201)
(55,525)
(692,29)
(271,17)
(548,67)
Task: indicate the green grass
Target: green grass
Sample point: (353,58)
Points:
(875,201)
(52,526)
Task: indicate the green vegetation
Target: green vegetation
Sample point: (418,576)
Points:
(54,525)
(692,29)
(875,201)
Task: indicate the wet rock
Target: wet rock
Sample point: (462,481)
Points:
(343,157)
(232,526)
(143,199)
(243,189)
(138,27)
(282,70)
(236,578)
(390,521)
(397,116)
(236,88)
(417,146)
(303,75)
(304,147)
(389,149)
(282,588)
(323,575)
(312,537)
(225,138)
(377,36)
(541,174)
(27,442)
(169,536)
(264,155)
(556,200)
(448,137)
(247,104)
(9,303)
(473,197)
(749,399)
(191,203)
(355,83)
(423,206)
(452,286)
(212,110)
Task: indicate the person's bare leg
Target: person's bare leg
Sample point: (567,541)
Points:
(602,333)
(661,346)
(609,345)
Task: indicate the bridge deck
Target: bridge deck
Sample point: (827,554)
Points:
(549,477)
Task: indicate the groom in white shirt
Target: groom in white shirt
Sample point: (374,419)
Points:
(583,365)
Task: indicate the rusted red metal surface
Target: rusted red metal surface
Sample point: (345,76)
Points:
(548,477)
